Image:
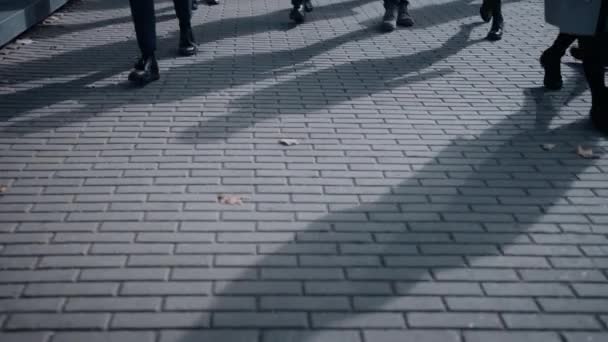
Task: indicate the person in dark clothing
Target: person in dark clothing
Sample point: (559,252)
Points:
(299,7)
(142,11)
(396,14)
(491,10)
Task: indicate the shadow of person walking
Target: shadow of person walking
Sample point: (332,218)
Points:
(473,231)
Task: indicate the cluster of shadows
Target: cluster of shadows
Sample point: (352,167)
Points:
(93,100)
(502,142)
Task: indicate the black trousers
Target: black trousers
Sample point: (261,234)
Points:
(561,44)
(395,2)
(594,53)
(496,7)
(144,20)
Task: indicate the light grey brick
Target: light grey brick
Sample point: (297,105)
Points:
(304,303)
(82,261)
(411,336)
(58,321)
(527,289)
(106,336)
(478,304)
(160,320)
(24,336)
(111,304)
(511,336)
(260,319)
(71,289)
(210,335)
(150,288)
(585,336)
(316,336)
(124,274)
(364,320)
(30,305)
(551,321)
(220,303)
(454,320)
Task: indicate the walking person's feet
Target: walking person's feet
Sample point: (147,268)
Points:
(213,2)
(404,18)
(389,20)
(297,14)
(497,30)
(308,7)
(187,44)
(145,71)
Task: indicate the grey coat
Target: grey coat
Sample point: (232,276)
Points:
(579,17)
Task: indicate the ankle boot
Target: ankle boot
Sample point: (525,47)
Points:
(551,62)
(297,14)
(213,2)
(148,72)
(187,45)
(403,16)
(388,20)
(496,30)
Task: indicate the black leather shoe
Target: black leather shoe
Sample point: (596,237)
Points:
(553,73)
(139,63)
(389,19)
(496,31)
(187,45)
(148,73)
(403,16)
(213,2)
(297,15)
(308,6)
(485,11)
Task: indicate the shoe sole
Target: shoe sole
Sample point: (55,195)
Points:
(298,19)
(387,27)
(405,24)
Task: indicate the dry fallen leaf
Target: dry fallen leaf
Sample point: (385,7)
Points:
(230,199)
(548,147)
(288,142)
(25,41)
(586,153)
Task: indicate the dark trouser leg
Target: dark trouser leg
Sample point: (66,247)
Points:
(551,61)
(592,64)
(561,44)
(297,3)
(497,10)
(144,20)
(594,73)
(183,11)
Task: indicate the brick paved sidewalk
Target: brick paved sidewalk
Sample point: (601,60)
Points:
(418,205)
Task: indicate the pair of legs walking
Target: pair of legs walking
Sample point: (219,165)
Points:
(144,20)
(491,10)
(594,55)
(299,7)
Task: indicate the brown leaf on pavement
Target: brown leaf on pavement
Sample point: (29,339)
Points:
(230,199)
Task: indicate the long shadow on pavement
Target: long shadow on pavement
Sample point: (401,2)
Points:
(459,220)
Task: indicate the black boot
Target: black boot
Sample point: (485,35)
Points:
(496,30)
(187,45)
(403,16)
(485,11)
(389,19)
(551,62)
(297,14)
(147,73)
(213,2)
(194,5)
(308,6)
